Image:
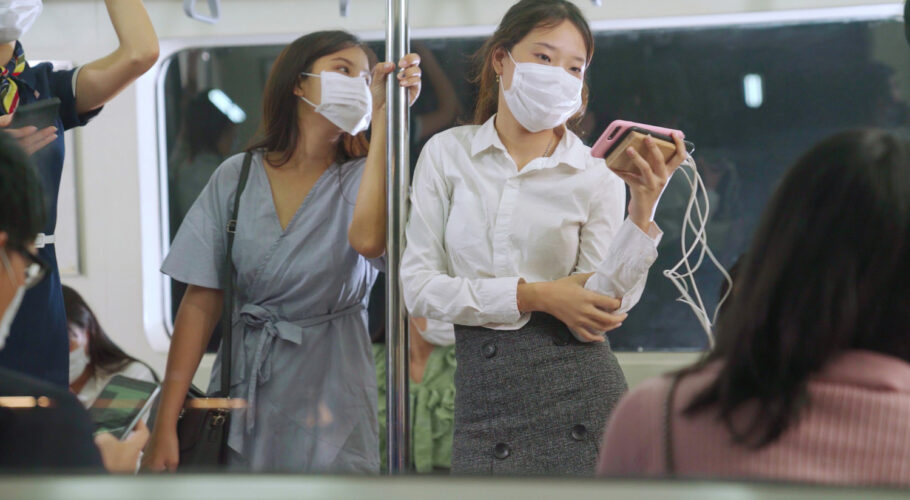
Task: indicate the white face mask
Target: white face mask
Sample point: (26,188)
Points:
(6,322)
(542,97)
(78,363)
(346,101)
(16,17)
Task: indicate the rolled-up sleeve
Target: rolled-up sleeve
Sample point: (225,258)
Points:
(429,289)
(618,252)
(63,87)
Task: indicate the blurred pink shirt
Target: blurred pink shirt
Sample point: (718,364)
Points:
(856,430)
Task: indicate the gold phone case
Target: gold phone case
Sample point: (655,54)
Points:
(619,161)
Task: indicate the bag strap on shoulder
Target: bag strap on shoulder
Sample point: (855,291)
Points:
(669,459)
(228,310)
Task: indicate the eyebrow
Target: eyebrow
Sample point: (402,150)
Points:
(553,48)
(343,59)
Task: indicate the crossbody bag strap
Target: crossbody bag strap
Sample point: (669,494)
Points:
(669,458)
(227,314)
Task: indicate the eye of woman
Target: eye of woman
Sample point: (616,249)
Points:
(543,57)
(343,69)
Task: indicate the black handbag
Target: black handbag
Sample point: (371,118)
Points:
(202,433)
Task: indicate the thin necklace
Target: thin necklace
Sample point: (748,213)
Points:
(547,151)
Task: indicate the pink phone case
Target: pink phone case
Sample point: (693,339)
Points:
(614,132)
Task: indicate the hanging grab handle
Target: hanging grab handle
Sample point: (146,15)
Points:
(189,6)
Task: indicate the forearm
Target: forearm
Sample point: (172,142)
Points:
(198,314)
(623,272)
(461,301)
(367,234)
(133,27)
(101,80)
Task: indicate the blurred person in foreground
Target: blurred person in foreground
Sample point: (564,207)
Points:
(42,427)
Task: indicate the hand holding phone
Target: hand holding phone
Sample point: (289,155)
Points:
(621,135)
(33,124)
(644,156)
(122,456)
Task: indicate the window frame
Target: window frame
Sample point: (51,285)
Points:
(151,121)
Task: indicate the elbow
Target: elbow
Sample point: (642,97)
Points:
(369,247)
(142,60)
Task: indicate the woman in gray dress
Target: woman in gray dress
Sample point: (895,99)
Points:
(305,256)
(516,235)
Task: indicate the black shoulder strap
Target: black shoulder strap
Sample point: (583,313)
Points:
(227,315)
(669,460)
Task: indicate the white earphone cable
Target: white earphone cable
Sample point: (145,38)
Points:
(684,281)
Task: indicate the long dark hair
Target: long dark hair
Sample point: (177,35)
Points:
(103,353)
(522,18)
(826,273)
(280,129)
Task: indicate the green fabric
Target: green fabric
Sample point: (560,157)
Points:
(432,410)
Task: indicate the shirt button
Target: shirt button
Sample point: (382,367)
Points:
(501,451)
(489,350)
(579,432)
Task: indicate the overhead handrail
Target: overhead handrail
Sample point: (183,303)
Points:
(189,6)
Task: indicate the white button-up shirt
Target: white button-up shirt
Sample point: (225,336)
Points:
(478,225)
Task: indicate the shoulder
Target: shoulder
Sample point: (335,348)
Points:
(453,138)
(138,371)
(595,169)
(41,71)
(353,168)
(225,178)
(646,398)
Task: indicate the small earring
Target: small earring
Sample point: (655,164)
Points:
(497,78)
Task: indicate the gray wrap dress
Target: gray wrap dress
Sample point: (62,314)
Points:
(302,353)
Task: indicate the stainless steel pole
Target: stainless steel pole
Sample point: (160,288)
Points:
(397,181)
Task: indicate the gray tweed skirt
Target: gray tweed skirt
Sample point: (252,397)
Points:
(532,401)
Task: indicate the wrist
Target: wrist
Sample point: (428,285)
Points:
(642,214)
(529,297)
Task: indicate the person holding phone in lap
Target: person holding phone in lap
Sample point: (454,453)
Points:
(38,344)
(516,235)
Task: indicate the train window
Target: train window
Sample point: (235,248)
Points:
(750,96)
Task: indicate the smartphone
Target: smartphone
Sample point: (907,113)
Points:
(40,114)
(121,404)
(621,135)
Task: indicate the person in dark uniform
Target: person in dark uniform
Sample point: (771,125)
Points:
(42,427)
(38,344)
(516,236)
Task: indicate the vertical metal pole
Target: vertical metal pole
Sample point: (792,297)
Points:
(397,181)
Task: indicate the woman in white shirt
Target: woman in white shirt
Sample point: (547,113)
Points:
(509,219)
(94,358)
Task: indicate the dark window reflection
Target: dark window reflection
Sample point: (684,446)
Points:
(751,98)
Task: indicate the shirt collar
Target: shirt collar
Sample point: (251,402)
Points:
(569,150)
(868,369)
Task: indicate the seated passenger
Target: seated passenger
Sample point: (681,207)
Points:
(94,358)
(42,427)
(810,376)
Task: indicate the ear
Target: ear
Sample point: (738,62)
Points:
(301,84)
(499,54)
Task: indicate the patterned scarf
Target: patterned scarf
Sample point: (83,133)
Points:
(9,89)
